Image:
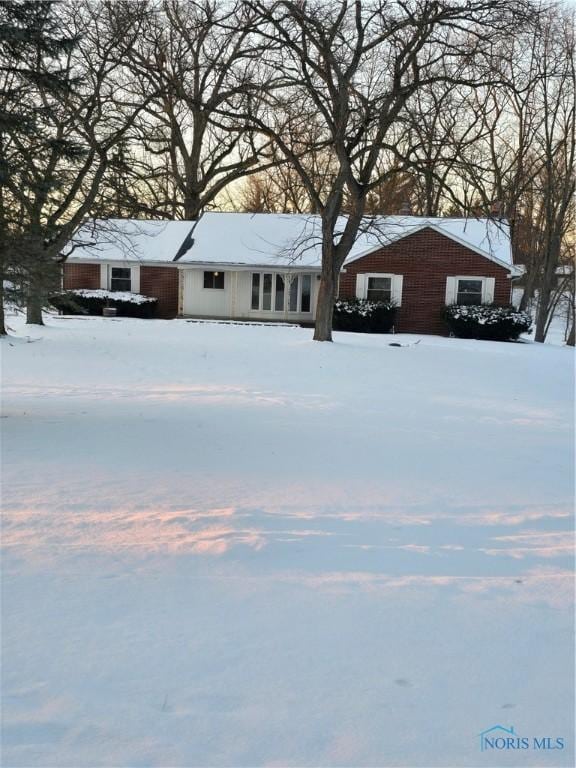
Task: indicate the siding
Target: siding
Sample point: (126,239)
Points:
(234,301)
(198,301)
(425,259)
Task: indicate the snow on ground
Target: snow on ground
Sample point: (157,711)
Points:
(232,546)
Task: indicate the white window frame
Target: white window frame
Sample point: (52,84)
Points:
(106,276)
(287,285)
(488,287)
(396,284)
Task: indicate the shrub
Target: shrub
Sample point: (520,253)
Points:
(91,302)
(363,316)
(486,321)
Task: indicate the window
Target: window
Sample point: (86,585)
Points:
(279,298)
(379,289)
(469,292)
(267,292)
(306,293)
(255,290)
(120,279)
(214,280)
(470,289)
(379,286)
(281,293)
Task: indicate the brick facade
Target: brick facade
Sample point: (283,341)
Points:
(425,259)
(81,276)
(161,282)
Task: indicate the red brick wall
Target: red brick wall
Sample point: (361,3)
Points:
(161,282)
(81,276)
(426,259)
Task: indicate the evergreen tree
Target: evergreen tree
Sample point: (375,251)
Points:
(33,76)
(68,108)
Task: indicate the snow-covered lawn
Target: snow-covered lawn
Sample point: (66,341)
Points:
(231,546)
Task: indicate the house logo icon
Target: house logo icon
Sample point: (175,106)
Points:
(495,733)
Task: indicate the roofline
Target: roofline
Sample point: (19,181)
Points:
(429,225)
(513,270)
(242,266)
(225,265)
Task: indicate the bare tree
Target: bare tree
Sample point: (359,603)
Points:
(354,67)
(558,149)
(524,155)
(198,57)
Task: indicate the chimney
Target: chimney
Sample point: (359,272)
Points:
(497,209)
(405,209)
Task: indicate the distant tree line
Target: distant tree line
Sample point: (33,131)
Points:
(342,108)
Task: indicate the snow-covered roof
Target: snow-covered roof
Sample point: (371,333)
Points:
(130,240)
(269,239)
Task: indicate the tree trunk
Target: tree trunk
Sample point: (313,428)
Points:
(2,319)
(192,206)
(34,305)
(2,316)
(528,292)
(325,306)
(542,311)
(570,341)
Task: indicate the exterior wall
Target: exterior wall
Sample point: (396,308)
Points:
(425,259)
(81,276)
(198,301)
(234,300)
(161,282)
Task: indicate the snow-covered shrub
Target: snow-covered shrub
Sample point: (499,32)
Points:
(364,316)
(83,301)
(486,321)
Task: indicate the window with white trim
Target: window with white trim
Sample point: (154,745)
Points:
(214,280)
(276,292)
(120,279)
(379,286)
(379,289)
(469,291)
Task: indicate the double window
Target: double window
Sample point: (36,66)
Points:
(214,280)
(273,292)
(120,279)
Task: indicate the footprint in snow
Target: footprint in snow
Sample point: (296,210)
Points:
(403,683)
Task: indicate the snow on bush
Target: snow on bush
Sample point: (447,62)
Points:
(85,301)
(364,316)
(486,321)
(132,298)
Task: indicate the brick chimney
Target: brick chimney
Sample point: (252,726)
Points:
(405,209)
(497,209)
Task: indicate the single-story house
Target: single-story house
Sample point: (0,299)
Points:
(267,266)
